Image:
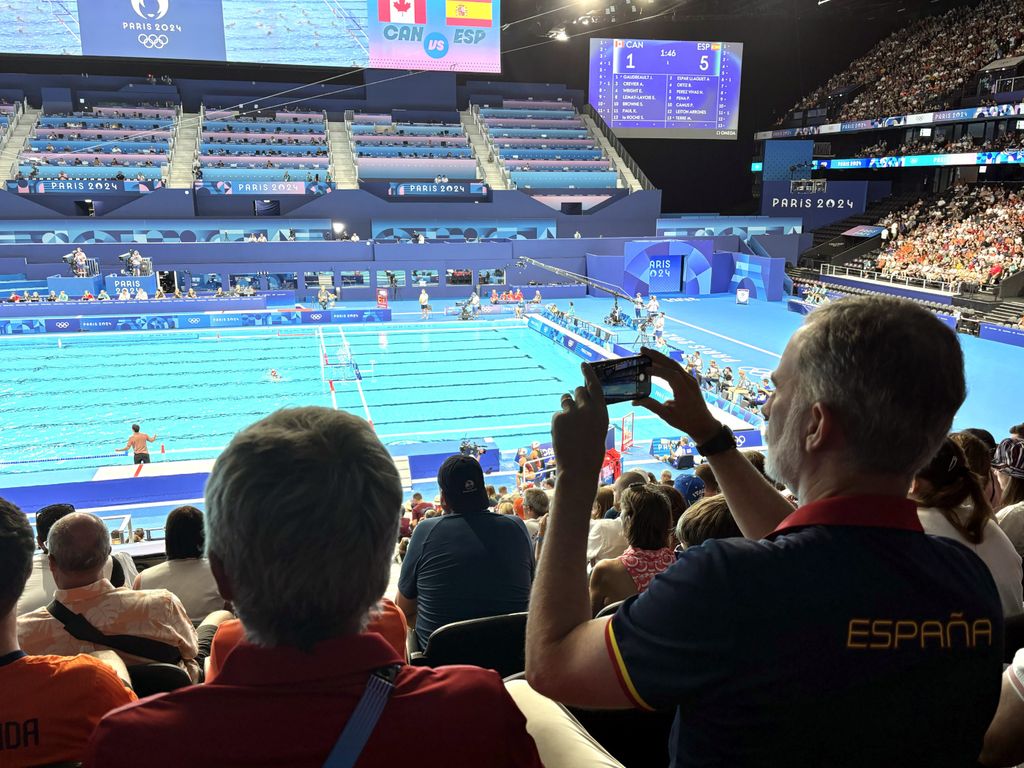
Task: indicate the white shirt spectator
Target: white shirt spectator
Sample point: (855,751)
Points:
(605,540)
(190,580)
(40,587)
(1011,520)
(995,549)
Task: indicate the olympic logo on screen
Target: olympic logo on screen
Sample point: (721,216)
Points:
(317,316)
(63,325)
(193,320)
(153,41)
(161,9)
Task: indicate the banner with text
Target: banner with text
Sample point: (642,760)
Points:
(86,186)
(262,188)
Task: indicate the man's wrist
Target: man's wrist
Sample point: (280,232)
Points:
(706,430)
(575,480)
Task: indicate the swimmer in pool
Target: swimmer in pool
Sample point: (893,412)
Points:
(275,376)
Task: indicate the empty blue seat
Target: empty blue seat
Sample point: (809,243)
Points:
(129,147)
(369,150)
(92,171)
(251,149)
(259,174)
(551,154)
(259,129)
(565,179)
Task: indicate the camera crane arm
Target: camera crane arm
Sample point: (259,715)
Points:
(615,290)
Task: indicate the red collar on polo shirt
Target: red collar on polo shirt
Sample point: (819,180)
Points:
(354,656)
(893,512)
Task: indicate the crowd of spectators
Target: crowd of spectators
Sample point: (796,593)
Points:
(816,625)
(972,236)
(140,294)
(881,148)
(918,68)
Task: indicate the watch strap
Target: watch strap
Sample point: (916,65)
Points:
(723,441)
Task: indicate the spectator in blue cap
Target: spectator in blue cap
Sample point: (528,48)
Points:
(692,488)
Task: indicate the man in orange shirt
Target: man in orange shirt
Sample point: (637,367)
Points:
(51,704)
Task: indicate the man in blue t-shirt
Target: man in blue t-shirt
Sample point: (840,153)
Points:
(836,634)
(467,563)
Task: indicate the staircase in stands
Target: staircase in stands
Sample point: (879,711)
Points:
(1006,312)
(187,132)
(17,140)
(626,177)
(483,149)
(343,161)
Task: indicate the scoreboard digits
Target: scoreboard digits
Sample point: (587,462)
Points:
(666,88)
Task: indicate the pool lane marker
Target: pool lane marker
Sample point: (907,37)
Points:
(359,382)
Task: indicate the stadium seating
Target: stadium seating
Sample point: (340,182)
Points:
(106,143)
(283,146)
(546,144)
(970,236)
(386,147)
(920,67)
(495,642)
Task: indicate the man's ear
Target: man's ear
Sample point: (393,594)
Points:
(221,577)
(820,429)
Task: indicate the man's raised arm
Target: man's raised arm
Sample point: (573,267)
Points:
(566,655)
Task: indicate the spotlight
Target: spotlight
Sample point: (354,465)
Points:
(338,227)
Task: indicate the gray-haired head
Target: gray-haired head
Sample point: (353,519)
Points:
(535,502)
(891,373)
(79,543)
(296,471)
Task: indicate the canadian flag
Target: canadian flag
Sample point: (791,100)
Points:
(402,11)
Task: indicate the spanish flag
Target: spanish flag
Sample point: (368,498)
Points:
(468,13)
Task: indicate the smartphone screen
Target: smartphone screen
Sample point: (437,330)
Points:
(627,378)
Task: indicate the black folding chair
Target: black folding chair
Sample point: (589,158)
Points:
(493,642)
(148,679)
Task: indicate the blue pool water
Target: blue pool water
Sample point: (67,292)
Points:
(63,409)
(71,405)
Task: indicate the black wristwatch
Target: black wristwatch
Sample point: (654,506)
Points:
(723,441)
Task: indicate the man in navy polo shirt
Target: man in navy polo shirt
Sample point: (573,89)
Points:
(838,634)
(467,563)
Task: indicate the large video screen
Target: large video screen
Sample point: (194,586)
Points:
(667,89)
(450,35)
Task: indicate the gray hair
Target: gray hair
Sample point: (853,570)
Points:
(79,543)
(891,373)
(296,473)
(536,500)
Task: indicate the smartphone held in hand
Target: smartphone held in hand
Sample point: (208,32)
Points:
(625,378)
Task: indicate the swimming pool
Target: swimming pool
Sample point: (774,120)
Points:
(70,404)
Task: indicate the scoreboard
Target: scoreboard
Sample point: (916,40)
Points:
(668,89)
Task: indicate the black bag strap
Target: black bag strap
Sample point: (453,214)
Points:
(143,647)
(116,573)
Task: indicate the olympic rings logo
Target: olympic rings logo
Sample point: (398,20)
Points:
(63,325)
(316,317)
(740,440)
(194,320)
(153,41)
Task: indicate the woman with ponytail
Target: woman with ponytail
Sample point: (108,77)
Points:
(952,504)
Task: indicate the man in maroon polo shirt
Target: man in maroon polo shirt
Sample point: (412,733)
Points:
(286,693)
(837,634)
